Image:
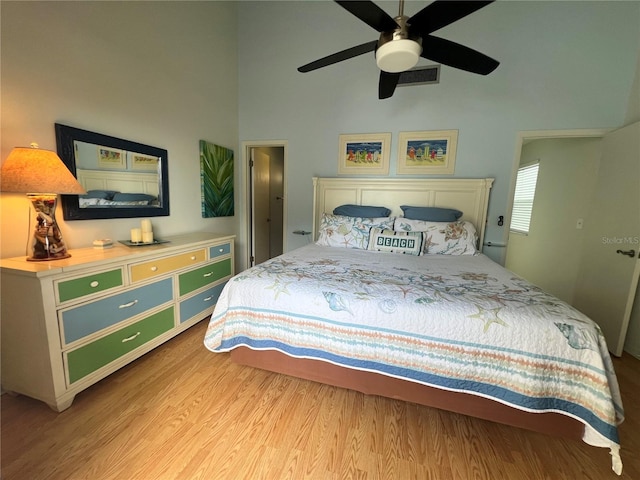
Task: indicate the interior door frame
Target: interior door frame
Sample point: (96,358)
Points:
(246,147)
(521,139)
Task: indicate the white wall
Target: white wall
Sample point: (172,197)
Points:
(549,256)
(560,69)
(158,73)
(633,112)
(172,73)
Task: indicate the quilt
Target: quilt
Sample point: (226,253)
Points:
(459,323)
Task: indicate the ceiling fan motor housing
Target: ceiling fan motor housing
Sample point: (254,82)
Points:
(397,50)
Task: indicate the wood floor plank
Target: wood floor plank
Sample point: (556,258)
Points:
(184,413)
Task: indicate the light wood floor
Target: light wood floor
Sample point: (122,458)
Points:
(182,412)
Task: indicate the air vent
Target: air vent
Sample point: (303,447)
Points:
(420,76)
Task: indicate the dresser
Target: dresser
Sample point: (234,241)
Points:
(66,324)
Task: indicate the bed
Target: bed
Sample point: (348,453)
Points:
(108,189)
(407,308)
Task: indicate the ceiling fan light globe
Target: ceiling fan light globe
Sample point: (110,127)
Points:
(398,55)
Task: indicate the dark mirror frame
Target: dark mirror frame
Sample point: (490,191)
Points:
(65,136)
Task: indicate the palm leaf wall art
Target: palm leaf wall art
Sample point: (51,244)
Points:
(216,180)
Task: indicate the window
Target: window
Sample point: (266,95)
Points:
(523,198)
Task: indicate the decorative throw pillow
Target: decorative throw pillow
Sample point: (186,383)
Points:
(442,238)
(431,214)
(409,243)
(363,211)
(349,232)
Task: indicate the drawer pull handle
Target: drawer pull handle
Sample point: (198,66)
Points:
(193,257)
(94,284)
(208,299)
(221,250)
(127,305)
(207,274)
(132,337)
(154,269)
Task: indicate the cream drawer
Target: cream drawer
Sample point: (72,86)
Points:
(161,266)
(87,285)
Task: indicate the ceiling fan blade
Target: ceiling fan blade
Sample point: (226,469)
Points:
(442,13)
(455,55)
(339,56)
(369,13)
(388,83)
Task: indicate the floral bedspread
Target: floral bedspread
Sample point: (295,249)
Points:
(460,323)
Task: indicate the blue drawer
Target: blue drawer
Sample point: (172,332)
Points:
(219,250)
(89,318)
(199,303)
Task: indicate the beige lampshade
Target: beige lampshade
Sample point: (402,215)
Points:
(32,170)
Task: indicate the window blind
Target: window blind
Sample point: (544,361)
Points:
(523,198)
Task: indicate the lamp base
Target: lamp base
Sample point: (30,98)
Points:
(47,242)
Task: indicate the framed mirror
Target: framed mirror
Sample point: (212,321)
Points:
(123,179)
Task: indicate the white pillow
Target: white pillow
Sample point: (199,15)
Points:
(442,238)
(85,202)
(409,243)
(349,232)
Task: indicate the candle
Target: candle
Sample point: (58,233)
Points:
(147,237)
(146,225)
(136,235)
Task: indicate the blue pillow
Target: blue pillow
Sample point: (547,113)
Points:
(431,214)
(104,194)
(363,211)
(132,197)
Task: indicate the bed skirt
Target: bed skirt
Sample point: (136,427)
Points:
(372,383)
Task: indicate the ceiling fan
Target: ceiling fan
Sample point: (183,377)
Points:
(404,40)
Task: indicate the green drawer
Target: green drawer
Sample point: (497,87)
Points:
(96,282)
(89,358)
(190,281)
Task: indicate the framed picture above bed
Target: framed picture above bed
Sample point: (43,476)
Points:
(140,161)
(427,153)
(364,154)
(111,158)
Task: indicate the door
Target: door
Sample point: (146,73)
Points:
(267,193)
(610,266)
(260,208)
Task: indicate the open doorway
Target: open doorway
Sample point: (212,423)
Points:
(581,249)
(549,254)
(266,196)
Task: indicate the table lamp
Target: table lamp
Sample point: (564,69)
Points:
(30,171)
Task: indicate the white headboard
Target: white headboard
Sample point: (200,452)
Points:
(125,182)
(469,195)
